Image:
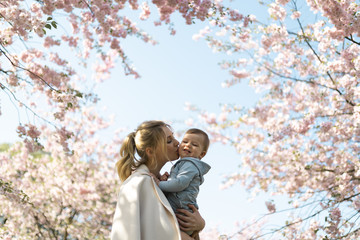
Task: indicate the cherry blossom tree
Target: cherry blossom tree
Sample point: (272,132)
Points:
(62,196)
(301,138)
(35,69)
(49,83)
(59,183)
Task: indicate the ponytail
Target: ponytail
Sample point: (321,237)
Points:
(126,164)
(149,134)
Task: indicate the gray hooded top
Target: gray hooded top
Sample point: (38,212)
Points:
(182,186)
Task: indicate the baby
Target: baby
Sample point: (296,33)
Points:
(182,185)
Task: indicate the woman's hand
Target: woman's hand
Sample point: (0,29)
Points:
(190,221)
(184,236)
(157,181)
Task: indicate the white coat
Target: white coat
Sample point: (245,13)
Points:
(142,211)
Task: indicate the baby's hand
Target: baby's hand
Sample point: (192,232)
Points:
(164,177)
(157,181)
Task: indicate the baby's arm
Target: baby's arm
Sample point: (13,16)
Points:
(181,181)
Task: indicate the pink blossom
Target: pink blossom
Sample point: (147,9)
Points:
(295,15)
(84,191)
(21,130)
(335,215)
(145,11)
(282,2)
(157,23)
(49,42)
(115,44)
(239,73)
(326,126)
(210,119)
(277,12)
(72,41)
(12,80)
(270,206)
(222,117)
(86,17)
(247,20)
(266,41)
(235,15)
(32,131)
(134,4)
(201,33)
(63,136)
(55,58)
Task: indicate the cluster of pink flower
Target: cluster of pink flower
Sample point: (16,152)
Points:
(277,12)
(270,206)
(28,130)
(60,187)
(343,14)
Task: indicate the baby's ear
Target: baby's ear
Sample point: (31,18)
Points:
(202,154)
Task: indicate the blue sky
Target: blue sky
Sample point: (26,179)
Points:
(176,71)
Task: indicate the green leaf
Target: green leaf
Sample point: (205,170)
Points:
(53,23)
(79,94)
(48,26)
(49,19)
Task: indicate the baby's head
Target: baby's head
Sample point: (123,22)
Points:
(194,144)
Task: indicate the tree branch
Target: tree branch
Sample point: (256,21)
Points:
(268,214)
(352,40)
(297,79)
(318,57)
(288,225)
(27,70)
(88,5)
(3,87)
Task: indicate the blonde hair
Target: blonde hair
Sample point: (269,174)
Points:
(148,134)
(206,141)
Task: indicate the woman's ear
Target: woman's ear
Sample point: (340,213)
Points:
(149,152)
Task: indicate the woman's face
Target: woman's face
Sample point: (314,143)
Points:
(172,144)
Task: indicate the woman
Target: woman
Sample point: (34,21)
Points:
(142,210)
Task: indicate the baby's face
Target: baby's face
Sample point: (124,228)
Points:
(192,146)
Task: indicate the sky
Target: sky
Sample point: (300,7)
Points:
(176,71)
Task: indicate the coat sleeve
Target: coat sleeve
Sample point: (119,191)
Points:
(186,173)
(126,222)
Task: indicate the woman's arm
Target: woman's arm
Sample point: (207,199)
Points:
(190,221)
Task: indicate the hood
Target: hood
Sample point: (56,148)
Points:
(203,167)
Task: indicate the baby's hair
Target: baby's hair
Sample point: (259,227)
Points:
(204,134)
